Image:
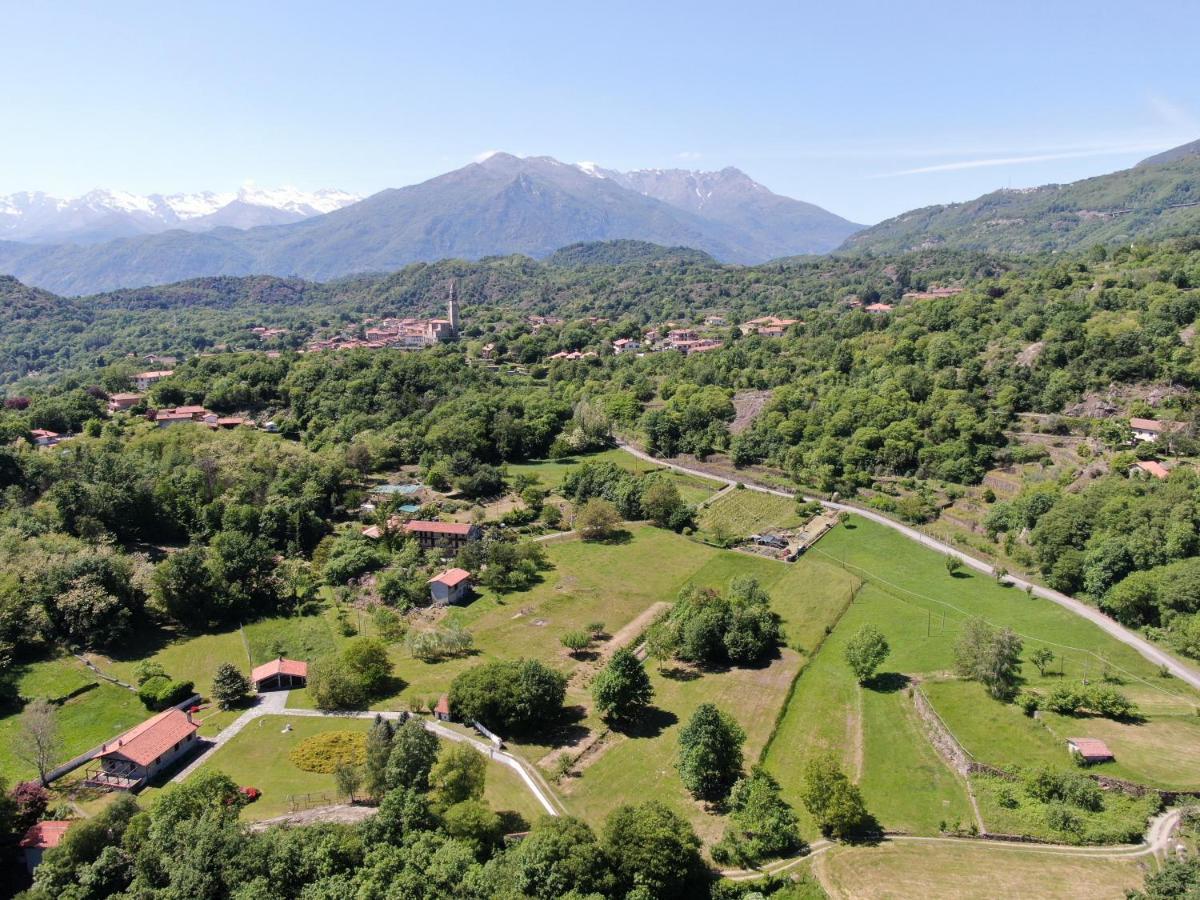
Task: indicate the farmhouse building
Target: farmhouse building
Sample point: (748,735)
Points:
(143,380)
(879,309)
(441,712)
(768,326)
(1090,750)
(119,402)
(1145,430)
(449,586)
(44,438)
(1145,467)
(126,763)
(279,674)
(41,837)
(447,535)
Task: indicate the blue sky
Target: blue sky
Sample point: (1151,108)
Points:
(867,108)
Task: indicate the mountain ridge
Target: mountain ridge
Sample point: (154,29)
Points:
(102,214)
(1157,198)
(497,206)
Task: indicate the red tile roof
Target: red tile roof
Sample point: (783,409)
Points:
(145,743)
(374,532)
(280,666)
(443,705)
(451,577)
(460,528)
(1091,748)
(1158,470)
(44,835)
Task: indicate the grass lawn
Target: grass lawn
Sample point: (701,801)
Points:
(919,607)
(258,756)
(969,871)
(84,721)
(742,513)
(53,679)
(872,730)
(551,472)
(612,583)
(196,657)
(808,596)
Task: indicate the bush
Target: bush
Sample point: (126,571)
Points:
(441,643)
(326,752)
(1100,699)
(160,692)
(517,695)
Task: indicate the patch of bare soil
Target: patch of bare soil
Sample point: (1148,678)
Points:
(1119,397)
(341,814)
(854,734)
(747,405)
(1030,354)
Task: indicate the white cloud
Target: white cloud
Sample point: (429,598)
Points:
(1175,116)
(486,155)
(1025,159)
(689,155)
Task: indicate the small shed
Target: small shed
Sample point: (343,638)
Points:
(449,586)
(279,674)
(441,712)
(1090,750)
(40,837)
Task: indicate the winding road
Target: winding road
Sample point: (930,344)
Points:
(1148,650)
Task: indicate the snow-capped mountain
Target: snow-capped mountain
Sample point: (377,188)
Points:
(100,215)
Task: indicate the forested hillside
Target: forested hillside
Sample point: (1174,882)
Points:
(1147,202)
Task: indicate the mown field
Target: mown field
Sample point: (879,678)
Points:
(808,596)
(902,870)
(551,472)
(741,513)
(258,756)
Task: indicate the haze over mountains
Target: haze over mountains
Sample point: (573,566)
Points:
(500,205)
(1157,198)
(505,205)
(102,215)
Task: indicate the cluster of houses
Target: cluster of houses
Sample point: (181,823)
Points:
(164,418)
(396,333)
(451,585)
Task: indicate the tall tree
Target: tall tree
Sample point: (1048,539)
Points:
(622,689)
(460,774)
(866,651)
(379,749)
(413,754)
(229,686)
(710,753)
(832,799)
(38,742)
(989,655)
(653,848)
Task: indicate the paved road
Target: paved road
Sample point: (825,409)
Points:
(1155,655)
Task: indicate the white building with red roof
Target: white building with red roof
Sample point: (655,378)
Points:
(447,535)
(449,586)
(41,837)
(279,674)
(126,763)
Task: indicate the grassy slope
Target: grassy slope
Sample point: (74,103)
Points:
(808,596)
(746,512)
(259,757)
(905,784)
(969,872)
(551,472)
(913,592)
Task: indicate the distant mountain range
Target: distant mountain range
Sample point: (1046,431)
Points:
(103,215)
(498,206)
(1157,198)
